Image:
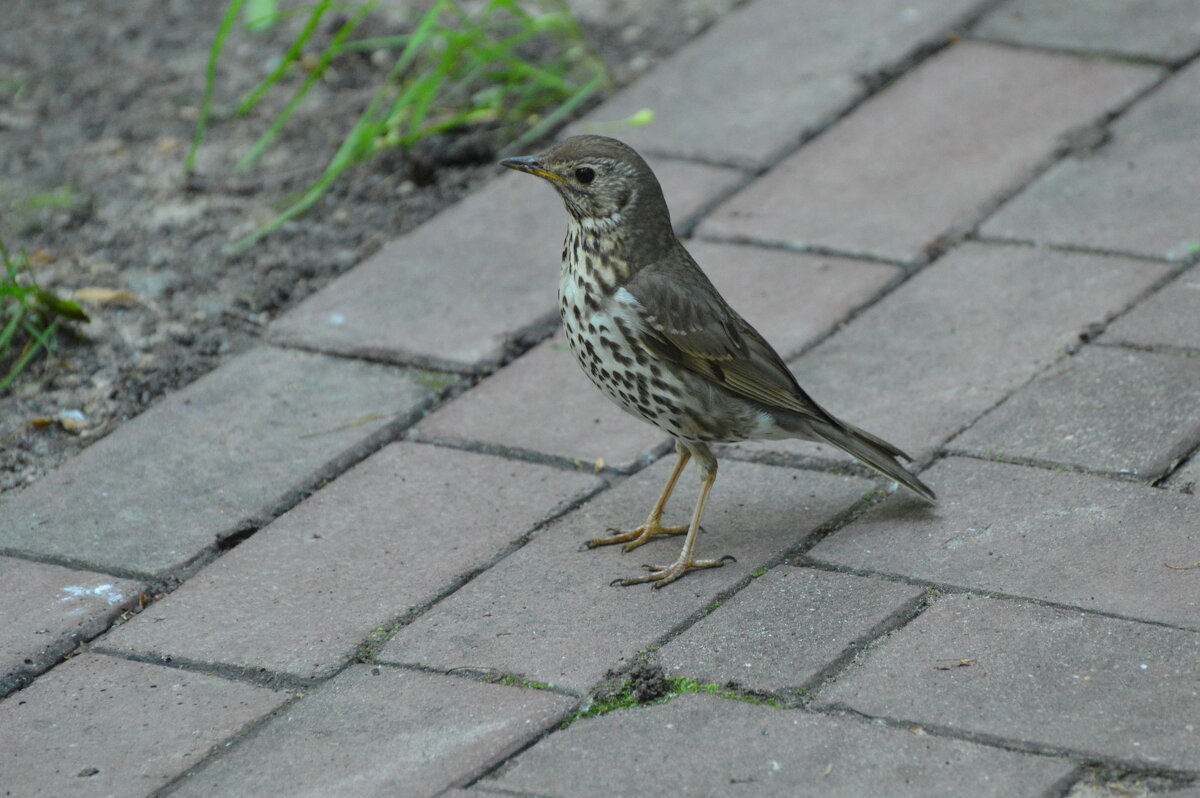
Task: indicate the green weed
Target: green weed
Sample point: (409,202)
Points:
(456,69)
(29,316)
(626,698)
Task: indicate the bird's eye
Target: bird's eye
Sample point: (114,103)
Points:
(585,174)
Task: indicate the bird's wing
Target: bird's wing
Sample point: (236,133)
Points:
(683,319)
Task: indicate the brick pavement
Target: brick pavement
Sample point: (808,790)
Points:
(977,220)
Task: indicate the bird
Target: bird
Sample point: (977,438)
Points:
(651,331)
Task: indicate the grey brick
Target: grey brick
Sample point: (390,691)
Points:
(691,187)
(459,291)
(381,540)
(1134,194)
(785,627)
(48,610)
(744,90)
(959,336)
(547,612)
(98,725)
(1171,317)
(211,460)
(380,731)
(928,156)
(713,746)
(543,403)
(1149,29)
(1187,478)
(1049,535)
(1103,410)
(1097,686)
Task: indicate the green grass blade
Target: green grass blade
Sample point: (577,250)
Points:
(276,127)
(36,345)
(210,79)
(556,116)
(290,57)
(260,15)
(58,306)
(10,330)
(352,148)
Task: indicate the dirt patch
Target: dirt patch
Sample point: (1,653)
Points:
(98,103)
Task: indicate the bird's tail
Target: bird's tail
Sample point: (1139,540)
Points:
(872,451)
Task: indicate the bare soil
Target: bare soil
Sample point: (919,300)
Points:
(98,105)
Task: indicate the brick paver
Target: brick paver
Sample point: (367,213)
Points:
(379,731)
(704,745)
(785,627)
(1164,29)
(1031,633)
(1193,792)
(383,539)
(1171,317)
(1104,409)
(244,440)
(1187,478)
(1052,677)
(927,157)
(1136,193)
(463,289)
(547,613)
(48,610)
(951,342)
(543,403)
(1054,536)
(99,725)
(745,90)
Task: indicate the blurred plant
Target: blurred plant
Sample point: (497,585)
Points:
(457,69)
(29,316)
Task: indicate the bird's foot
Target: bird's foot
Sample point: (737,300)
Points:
(635,537)
(661,575)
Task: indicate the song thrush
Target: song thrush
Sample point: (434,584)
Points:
(653,334)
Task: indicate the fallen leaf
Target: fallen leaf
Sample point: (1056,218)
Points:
(105,295)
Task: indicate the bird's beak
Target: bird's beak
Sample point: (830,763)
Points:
(531,164)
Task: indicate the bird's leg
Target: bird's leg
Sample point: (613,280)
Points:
(665,574)
(653,526)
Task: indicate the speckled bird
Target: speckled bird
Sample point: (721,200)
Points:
(650,330)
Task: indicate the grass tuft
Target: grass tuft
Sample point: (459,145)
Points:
(626,698)
(29,316)
(457,69)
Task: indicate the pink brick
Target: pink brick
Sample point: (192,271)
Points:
(462,289)
(1098,687)
(1137,193)
(787,625)
(1018,530)
(957,338)
(382,732)
(1171,317)
(929,155)
(384,538)
(217,458)
(744,90)
(99,725)
(709,746)
(547,612)
(48,610)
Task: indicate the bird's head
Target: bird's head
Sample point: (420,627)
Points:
(602,182)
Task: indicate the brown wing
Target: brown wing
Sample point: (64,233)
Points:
(684,320)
